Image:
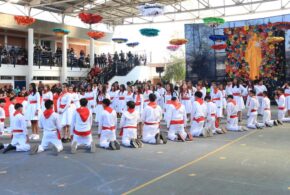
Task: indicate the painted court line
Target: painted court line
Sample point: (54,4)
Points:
(187,164)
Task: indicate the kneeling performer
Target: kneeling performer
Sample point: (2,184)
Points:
(151,117)
(49,122)
(128,124)
(81,128)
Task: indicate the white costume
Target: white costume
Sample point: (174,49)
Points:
(232,117)
(161,92)
(64,108)
(113,98)
(99,105)
(19,133)
(81,126)
(185,99)
(139,101)
(107,127)
(211,116)
(2,119)
(151,116)
(266,107)
(217,98)
(121,101)
(252,122)
(91,97)
(146,97)
(237,93)
(33,105)
(198,114)
(287,96)
(49,122)
(128,124)
(176,120)
(75,101)
(46,96)
(259,92)
(282,109)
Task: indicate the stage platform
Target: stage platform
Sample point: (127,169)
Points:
(254,162)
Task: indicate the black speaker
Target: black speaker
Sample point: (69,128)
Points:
(159,69)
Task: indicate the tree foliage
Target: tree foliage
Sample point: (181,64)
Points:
(175,70)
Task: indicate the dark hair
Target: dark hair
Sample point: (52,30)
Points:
(253,91)
(266,93)
(122,88)
(152,97)
(106,102)
(131,104)
(237,85)
(207,97)
(48,104)
(230,96)
(33,88)
(173,98)
(17,106)
(103,92)
(198,94)
(12,98)
(281,90)
(83,102)
(2,101)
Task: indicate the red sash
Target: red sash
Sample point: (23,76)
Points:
(108,128)
(82,133)
(17,131)
(236,94)
(33,102)
(234,116)
(176,122)
(90,98)
(200,119)
(151,123)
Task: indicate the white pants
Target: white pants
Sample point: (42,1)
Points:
(252,122)
(196,128)
(50,137)
(149,132)
(19,140)
(281,116)
(174,129)
(210,123)
(128,134)
(267,118)
(233,124)
(260,100)
(83,140)
(106,137)
(2,126)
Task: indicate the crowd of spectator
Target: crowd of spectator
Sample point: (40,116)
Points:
(13,55)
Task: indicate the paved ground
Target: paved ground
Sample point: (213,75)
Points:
(255,162)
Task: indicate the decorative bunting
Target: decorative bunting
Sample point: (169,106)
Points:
(149,32)
(95,34)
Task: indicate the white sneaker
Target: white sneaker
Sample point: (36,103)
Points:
(31,136)
(35,137)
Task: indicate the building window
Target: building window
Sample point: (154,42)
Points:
(6,78)
(19,78)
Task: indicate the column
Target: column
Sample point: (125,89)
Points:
(92,52)
(63,77)
(5,40)
(29,77)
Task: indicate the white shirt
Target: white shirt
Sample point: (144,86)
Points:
(79,125)
(253,105)
(198,110)
(266,104)
(152,115)
(281,102)
(260,89)
(129,119)
(2,113)
(64,100)
(50,124)
(107,120)
(176,114)
(211,109)
(19,123)
(232,110)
